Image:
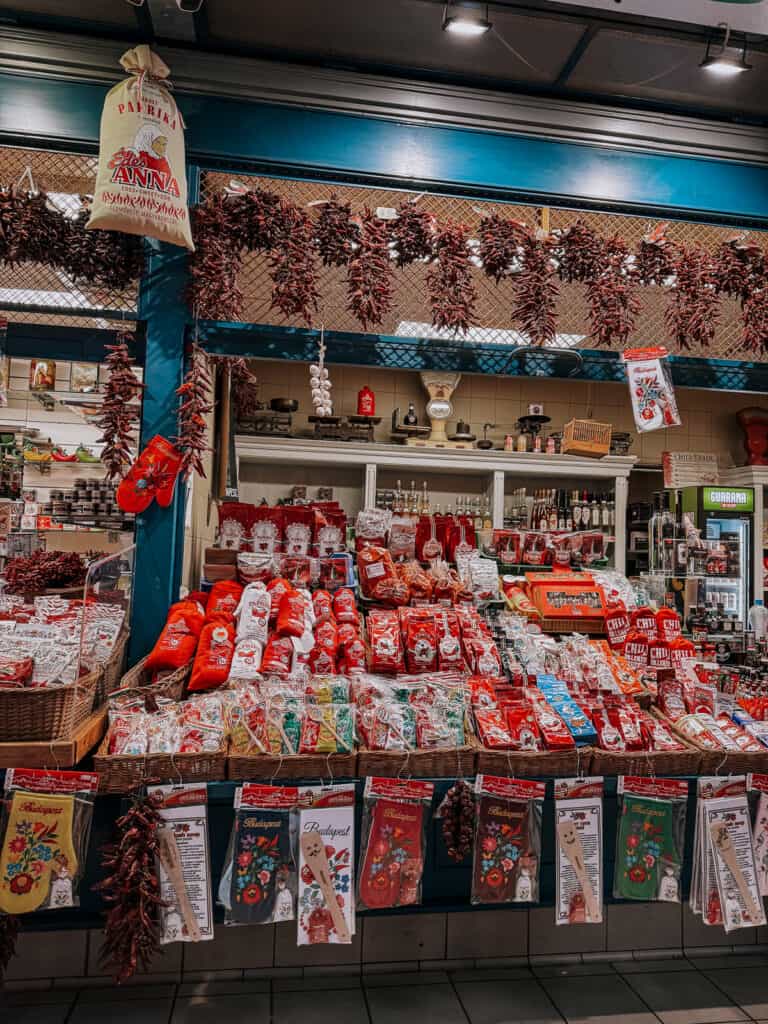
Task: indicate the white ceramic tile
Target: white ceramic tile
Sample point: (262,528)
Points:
(685,998)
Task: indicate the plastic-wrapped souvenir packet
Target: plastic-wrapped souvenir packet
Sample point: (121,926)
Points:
(44,832)
(651,389)
(328,729)
(757,787)
(387,726)
(259,879)
(579,862)
(727,832)
(394,836)
(507,844)
(184,865)
(326,852)
(650,840)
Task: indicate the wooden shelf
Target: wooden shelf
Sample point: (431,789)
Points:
(56,753)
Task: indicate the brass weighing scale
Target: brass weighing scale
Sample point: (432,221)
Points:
(440,388)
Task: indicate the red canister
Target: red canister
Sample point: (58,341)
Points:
(366,402)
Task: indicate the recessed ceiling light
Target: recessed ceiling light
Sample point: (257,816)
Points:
(467,21)
(722,63)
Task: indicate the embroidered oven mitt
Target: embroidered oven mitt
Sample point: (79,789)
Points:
(501,840)
(37,849)
(646,839)
(394,859)
(262,848)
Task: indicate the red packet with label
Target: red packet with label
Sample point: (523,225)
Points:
(297,530)
(555,733)
(394,842)
(608,735)
(277,588)
(644,621)
(492,728)
(421,646)
(522,726)
(322,602)
(267,530)
(636,648)
(214,656)
(278,655)
(291,617)
(617,625)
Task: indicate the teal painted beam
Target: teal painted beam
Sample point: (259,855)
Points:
(310,141)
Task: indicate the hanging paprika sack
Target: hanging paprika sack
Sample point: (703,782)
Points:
(141,185)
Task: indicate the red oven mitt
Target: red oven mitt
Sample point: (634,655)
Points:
(394,857)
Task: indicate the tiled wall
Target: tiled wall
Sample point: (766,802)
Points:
(482,938)
(709,422)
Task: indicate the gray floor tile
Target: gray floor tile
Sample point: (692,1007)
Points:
(685,998)
(507,1002)
(572,970)
(37,997)
(222,988)
(582,1001)
(670,966)
(147,1011)
(345,1007)
(729,961)
(402,937)
(746,987)
(40,1014)
(475,932)
(112,994)
(247,1009)
(432,1004)
(407,978)
(492,974)
(317,983)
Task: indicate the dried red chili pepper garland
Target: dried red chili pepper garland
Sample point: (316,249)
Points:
(457,812)
(412,233)
(369,274)
(579,252)
(335,233)
(196,394)
(536,290)
(452,293)
(10,926)
(132,891)
(653,262)
(292,265)
(742,273)
(213,293)
(613,304)
(44,570)
(500,242)
(118,418)
(694,307)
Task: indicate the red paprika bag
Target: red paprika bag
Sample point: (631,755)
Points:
(428,542)
(267,529)
(297,530)
(223,601)
(459,538)
(277,588)
(385,644)
(278,655)
(326,635)
(214,656)
(292,614)
(235,524)
(421,646)
(322,661)
(352,655)
(322,602)
(177,642)
(345,606)
(330,532)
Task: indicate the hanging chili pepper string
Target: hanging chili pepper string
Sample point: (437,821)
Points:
(613,304)
(412,233)
(500,242)
(579,253)
(119,416)
(214,267)
(335,234)
(292,265)
(694,307)
(10,926)
(536,290)
(369,274)
(196,393)
(653,262)
(449,280)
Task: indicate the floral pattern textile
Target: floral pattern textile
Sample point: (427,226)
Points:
(37,848)
(262,855)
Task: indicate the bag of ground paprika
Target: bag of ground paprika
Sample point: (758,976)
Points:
(141,185)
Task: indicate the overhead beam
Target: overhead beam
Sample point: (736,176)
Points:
(576,54)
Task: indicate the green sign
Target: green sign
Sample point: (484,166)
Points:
(728,499)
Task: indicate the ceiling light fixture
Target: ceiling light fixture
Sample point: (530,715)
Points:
(467,21)
(719,62)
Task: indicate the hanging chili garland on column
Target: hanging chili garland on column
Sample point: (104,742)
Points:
(452,293)
(613,304)
(579,251)
(412,233)
(132,891)
(213,293)
(119,417)
(335,234)
(369,274)
(742,273)
(536,289)
(694,307)
(196,395)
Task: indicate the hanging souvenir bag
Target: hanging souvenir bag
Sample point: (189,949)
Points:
(579,863)
(650,841)
(177,643)
(651,389)
(326,850)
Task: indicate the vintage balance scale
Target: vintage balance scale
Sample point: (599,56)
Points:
(440,387)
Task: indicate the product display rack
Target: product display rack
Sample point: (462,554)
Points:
(362,468)
(756,477)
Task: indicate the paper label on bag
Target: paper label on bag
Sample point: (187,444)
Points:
(513,789)
(190,829)
(638,785)
(399,789)
(579,828)
(573,789)
(734,862)
(46,780)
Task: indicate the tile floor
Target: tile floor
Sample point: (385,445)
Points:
(704,990)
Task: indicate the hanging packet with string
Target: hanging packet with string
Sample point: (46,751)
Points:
(325,832)
(579,863)
(44,832)
(141,185)
(757,790)
(258,881)
(650,839)
(704,898)
(506,859)
(650,389)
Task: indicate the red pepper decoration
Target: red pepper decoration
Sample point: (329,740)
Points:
(451,289)
(412,233)
(369,274)
(739,267)
(536,290)
(196,403)
(613,304)
(335,233)
(500,242)
(653,262)
(579,253)
(258,219)
(292,265)
(131,890)
(118,419)
(44,570)
(754,313)
(213,293)
(457,812)
(694,308)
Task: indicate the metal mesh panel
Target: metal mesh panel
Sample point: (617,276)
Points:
(65,177)
(410,315)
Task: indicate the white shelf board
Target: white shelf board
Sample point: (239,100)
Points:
(471,461)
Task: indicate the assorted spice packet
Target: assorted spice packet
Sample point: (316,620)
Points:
(579,857)
(650,840)
(184,864)
(44,832)
(507,846)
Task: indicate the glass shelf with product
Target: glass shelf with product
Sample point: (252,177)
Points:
(699,549)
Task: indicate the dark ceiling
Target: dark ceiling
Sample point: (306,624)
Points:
(536,46)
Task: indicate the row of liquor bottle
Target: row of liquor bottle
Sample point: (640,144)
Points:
(554,509)
(676,547)
(415,502)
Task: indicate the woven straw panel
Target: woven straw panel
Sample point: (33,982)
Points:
(65,177)
(410,315)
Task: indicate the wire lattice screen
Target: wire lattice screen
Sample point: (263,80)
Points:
(64,177)
(411,316)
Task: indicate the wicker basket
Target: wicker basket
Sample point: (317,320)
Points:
(172,685)
(46,712)
(532,764)
(450,763)
(246,767)
(120,773)
(657,762)
(112,670)
(585,437)
(723,762)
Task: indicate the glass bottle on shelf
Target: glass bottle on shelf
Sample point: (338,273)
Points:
(552,511)
(478,515)
(425,505)
(654,535)
(410,419)
(594,512)
(612,513)
(667,536)
(605,520)
(398,499)
(576,504)
(487,514)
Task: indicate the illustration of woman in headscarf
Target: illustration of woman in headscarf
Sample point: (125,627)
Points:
(150,144)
